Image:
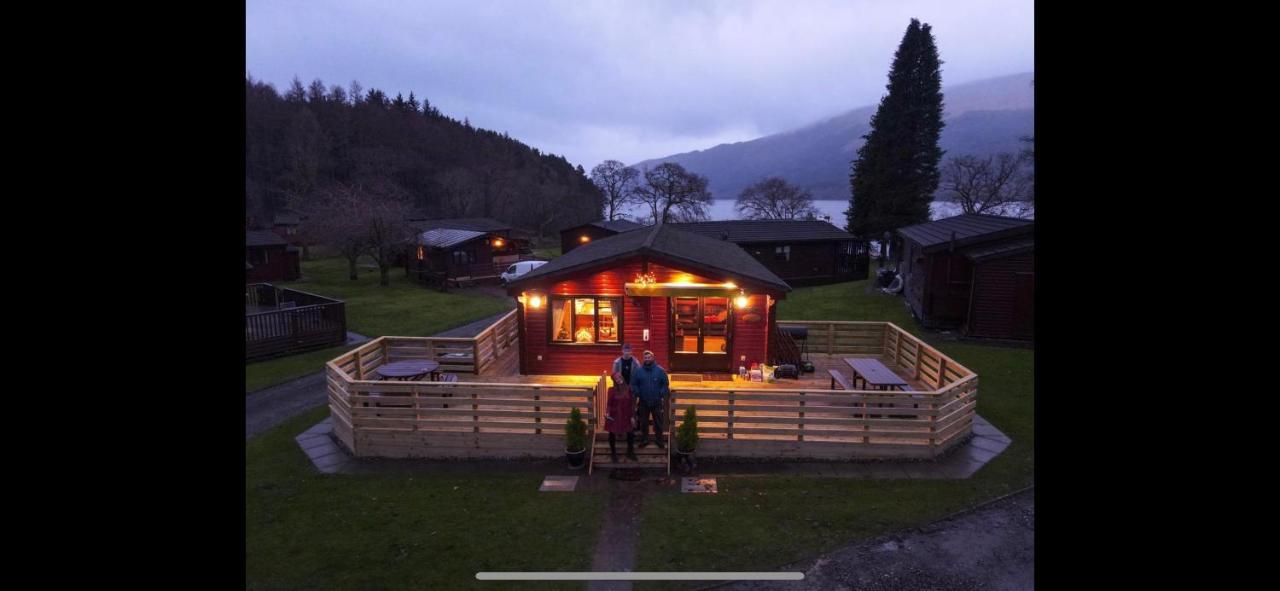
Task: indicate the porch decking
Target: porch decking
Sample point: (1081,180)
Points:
(492,411)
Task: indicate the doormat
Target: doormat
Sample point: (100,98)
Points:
(628,474)
(717,377)
(686,377)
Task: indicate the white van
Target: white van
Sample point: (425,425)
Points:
(519,269)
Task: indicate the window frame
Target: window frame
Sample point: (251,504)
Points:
(784,250)
(619,306)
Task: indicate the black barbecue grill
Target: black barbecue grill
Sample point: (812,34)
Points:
(800,334)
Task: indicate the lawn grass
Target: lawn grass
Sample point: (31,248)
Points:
(759,523)
(306,530)
(547,253)
(403,308)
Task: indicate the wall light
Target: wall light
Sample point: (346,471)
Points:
(741,300)
(535,301)
(584,239)
(497,243)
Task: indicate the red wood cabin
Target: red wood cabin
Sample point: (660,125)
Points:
(707,305)
(571,238)
(268,257)
(972,272)
(473,249)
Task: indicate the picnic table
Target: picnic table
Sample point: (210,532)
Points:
(411,369)
(875,374)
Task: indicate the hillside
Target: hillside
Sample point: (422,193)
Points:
(308,140)
(982,117)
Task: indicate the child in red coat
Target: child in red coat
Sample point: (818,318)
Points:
(621,417)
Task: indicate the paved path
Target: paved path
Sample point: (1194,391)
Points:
(992,547)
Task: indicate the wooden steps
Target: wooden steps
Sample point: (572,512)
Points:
(651,457)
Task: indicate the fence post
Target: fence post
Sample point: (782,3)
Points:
(537,410)
(359,366)
(475,418)
(800,437)
(729,424)
(831,338)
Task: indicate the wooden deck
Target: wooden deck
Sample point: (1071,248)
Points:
(492,411)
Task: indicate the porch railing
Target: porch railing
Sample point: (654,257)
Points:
(302,321)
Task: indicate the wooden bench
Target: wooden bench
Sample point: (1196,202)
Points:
(837,377)
(449,377)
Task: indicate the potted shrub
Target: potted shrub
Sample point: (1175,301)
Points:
(687,439)
(575,439)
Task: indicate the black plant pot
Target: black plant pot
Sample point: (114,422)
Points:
(577,459)
(685,460)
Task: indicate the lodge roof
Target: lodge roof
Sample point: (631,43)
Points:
(668,242)
(1000,249)
(473,224)
(749,231)
(263,238)
(446,237)
(965,229)
(616,225)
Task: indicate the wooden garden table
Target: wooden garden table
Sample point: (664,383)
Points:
(874,373)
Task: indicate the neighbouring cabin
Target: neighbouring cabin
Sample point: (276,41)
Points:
(801,252)
(269,257)
(464,251)
(971,272)
(288,225)
(571,238)
(701,305)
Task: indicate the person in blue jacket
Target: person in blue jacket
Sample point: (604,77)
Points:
(650,386)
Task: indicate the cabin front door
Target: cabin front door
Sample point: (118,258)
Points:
(701,334)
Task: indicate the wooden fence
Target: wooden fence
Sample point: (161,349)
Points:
(807,423)
(454,420)
(507,420)
(305,322)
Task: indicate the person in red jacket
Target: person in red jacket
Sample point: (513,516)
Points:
(621,417)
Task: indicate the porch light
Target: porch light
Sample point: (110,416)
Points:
(742,300)
(584,239)
(535,301)
(497,243)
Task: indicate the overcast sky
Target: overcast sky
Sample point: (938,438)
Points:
(594,80)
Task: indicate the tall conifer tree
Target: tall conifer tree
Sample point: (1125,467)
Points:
(896,171)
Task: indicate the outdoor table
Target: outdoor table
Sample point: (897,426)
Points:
(874,373)
(412,369)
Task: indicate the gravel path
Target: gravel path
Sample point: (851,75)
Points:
(992,547)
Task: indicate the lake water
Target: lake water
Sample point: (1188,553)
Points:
(723,209)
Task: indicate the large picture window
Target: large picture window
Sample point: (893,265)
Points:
(586,320)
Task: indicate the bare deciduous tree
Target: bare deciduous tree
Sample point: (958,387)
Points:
(775,199)
(333,218)
(674,194)
(386,232)
(618,183)
(996,184)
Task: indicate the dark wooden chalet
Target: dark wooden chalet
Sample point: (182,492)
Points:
(803,252)
(701,305)
(288,225)
(571,238)
(464,250)
(268,257)
(971,272)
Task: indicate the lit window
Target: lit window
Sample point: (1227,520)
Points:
(421,252)
(585,320)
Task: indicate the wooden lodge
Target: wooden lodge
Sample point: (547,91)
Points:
(704,306)
(269,257)
(571,238)
(701,305)
(464,251)
(971,272)
(801,252)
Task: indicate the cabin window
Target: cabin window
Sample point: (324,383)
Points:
(782,253)
(586,320)
(464,257)
(422,251)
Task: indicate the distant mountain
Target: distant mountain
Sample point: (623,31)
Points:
(982,117)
